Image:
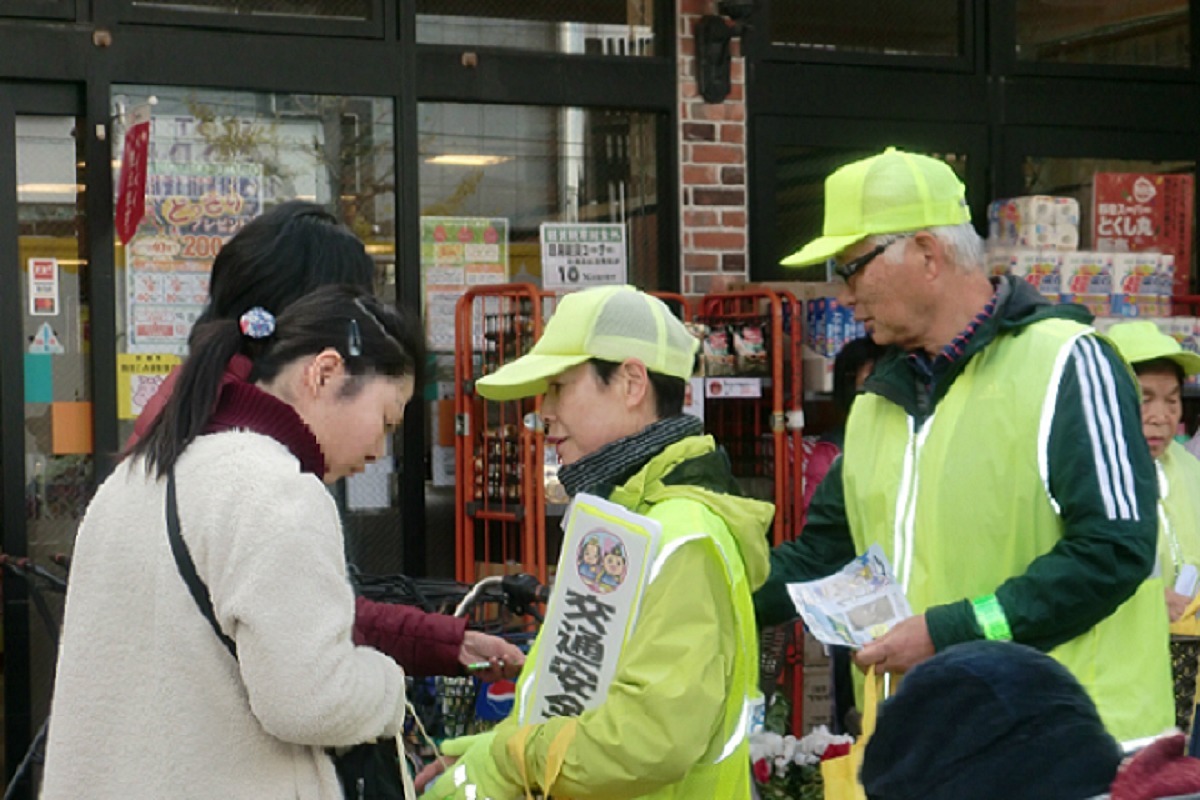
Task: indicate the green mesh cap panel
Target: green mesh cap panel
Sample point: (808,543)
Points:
(636,325)
(907,192)
(893,192)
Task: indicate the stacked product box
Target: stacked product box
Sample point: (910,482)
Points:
(1121,284)
(1034,221)
(1142,284)
(1087,279)
(1042,269)
(828,326)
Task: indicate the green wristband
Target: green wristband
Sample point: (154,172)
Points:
(990,616)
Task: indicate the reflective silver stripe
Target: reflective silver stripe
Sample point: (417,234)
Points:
(902,496)
(906,526)
(1049,403)
(670,548)
(675,544)
(739,732)
(526,698)
(1164,491)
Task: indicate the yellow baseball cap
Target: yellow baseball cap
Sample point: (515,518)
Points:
(1142,341)
(611,323)
(892,192)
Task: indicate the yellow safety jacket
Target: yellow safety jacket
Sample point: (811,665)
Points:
(962,503)
(1178,511)
(674,723)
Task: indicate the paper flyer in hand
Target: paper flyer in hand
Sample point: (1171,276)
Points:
(854,606)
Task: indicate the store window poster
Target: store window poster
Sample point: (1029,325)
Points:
(458,253)
(1145,212)
(192,210)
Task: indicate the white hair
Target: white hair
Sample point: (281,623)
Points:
(963,245)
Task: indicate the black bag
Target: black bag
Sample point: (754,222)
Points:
(369,771)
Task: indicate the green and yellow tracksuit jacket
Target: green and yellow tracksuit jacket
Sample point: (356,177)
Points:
(1019,476)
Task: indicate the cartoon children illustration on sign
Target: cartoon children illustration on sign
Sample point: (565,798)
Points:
(589,560)
(602,561)
(614,569)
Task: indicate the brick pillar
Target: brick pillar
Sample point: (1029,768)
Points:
(712,168)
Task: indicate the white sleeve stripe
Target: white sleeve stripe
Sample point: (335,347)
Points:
(1115,432)
(1102,414)
(1089,414)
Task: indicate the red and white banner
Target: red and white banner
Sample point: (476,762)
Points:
(1145,212)
(131,196)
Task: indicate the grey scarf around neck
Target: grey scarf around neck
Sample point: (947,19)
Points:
(600,472)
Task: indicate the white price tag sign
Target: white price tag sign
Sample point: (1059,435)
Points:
(582,255)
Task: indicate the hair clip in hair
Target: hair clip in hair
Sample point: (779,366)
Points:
(355,346)
(257,323)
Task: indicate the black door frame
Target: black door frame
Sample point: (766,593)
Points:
(19,99)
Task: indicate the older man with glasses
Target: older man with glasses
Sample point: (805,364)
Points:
(995,455)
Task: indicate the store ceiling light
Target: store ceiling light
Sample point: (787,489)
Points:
(50,188)
(467,160)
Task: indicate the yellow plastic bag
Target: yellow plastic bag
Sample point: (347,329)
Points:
(840,774)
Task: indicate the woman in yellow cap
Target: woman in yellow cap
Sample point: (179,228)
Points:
(1161,365)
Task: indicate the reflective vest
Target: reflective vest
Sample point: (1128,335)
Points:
(962,503)
(1178,511)
(724,769)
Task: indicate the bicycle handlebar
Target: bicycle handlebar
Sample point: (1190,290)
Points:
(520,593)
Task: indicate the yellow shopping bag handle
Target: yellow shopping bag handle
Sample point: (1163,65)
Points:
(840,775)
(556,754)
(1188,624)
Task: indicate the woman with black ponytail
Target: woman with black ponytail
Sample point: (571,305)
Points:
(151,698)
(278,257)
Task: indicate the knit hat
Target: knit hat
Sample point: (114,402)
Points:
(893,192)
(1141,340)
(611,323)
(989,720)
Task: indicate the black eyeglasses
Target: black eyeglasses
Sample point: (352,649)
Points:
(855,266)
(851,268)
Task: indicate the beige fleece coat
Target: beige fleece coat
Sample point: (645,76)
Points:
(148,703)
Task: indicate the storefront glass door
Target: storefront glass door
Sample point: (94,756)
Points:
(46,399)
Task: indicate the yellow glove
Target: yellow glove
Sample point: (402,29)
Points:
(475,776)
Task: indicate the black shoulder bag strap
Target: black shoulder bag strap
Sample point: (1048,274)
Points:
(187,567)
(369,771)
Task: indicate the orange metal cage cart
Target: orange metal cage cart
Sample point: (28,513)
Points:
(499,502)
(763,433)
(500,498)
